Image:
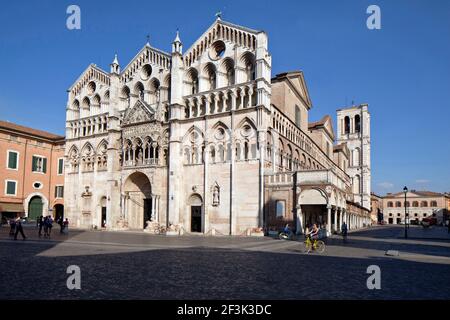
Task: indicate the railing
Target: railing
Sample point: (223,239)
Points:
(142,162)
(219,100)
(308,177)
(88,126)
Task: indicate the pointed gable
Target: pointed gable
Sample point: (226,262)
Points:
(296,82)
(139,113)
(92,72)
(325,123)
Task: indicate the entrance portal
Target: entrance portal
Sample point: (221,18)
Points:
(197,222)
(35,208)
(147,211)
(138,208)
(59,211)
(196,219)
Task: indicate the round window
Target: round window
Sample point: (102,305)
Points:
(217,50)
(37,185)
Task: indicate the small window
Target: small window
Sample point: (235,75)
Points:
(60,166)
(39,164)
(11,188)
(59,192)
(297,116)
(424,214)
(37,185)
(281,208)
(13,160)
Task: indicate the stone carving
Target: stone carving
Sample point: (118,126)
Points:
(216,195)
(86,193)
(141,112)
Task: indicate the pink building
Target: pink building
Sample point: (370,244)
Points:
(31,172)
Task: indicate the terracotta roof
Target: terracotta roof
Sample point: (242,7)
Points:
(29,131)
(419,193)
(319,123)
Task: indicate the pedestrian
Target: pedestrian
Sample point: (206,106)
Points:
(61,225)
(19,228)
(41,224)
(344,231)
(50,225)
(66,226)
(448,225)
(45,223)
(12,225)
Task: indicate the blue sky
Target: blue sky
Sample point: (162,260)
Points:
(402,71)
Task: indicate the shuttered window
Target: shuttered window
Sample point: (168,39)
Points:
(11,188)
(60,166)
(59,192)
(12,160)
(39,164)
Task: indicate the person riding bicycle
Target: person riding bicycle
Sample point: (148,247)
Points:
(314,234)
(287,230)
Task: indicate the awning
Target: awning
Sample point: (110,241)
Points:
(11,207)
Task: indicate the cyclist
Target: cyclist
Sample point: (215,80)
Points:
(287,230)
(314,234)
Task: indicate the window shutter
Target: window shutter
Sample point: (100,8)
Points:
(10,187)
(12,164)
(44,165)
(34,164)
(56,192)
(62,191)
(60,166)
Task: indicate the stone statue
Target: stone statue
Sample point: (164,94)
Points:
(216,196)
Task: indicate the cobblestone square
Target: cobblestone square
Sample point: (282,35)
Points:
(126,265)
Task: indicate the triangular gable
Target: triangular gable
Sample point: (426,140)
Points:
(139,113)
(213,33)
(147,54)
(296,82)
(92,72)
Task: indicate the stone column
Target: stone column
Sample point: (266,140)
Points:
(153,216)
(328,220)
(339,220)
(336,228)
(299,221)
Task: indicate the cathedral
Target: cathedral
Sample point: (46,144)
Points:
(207,141)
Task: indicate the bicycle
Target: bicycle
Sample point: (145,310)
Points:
(318,245)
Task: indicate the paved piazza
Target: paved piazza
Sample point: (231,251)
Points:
(125,265)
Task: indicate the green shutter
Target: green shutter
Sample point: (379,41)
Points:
(34,164)
(12,163)
(11,187)
(56,192)
(62,191)
(44,165)
(60,166)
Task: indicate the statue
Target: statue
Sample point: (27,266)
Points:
(216,195)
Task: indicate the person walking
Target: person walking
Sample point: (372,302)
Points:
(50,225)
(61,225)
(45,223)
(66,226)
(19,228)
(344,231)
(41,224)
(12,225)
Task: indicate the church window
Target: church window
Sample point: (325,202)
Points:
(297,116)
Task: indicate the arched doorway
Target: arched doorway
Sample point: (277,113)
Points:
(58,209)
(103,214)
(35,208)
(138,198)
(196,209)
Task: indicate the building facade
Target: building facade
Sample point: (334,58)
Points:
(32,172)
(206,141)
(376,213)
(419,205)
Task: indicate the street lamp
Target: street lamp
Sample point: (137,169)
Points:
(405,190)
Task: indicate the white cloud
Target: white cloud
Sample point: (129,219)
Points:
(386,185)
(422,181)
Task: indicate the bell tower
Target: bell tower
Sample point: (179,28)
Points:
(353,128)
